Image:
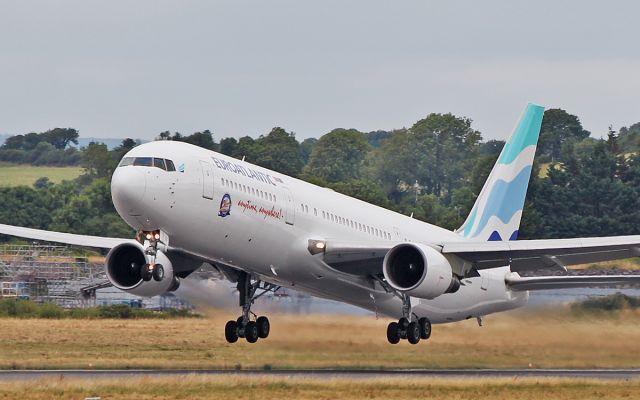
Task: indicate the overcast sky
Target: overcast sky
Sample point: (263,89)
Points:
(136,68)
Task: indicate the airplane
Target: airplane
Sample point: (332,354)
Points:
(263,231)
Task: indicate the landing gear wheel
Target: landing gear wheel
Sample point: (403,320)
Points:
(240,325)
(413,333)
(231,331)
(392,333)
(263,327)
(158,273)
(251,332)
(403,323)
(145,273)
(425,328)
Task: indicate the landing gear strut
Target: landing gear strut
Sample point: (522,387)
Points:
(151,270)
(244,327)
(408,327)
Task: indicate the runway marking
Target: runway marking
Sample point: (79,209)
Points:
(9,375)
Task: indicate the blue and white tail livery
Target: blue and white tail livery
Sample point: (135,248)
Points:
(497,212)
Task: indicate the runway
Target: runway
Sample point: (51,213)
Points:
(14,375)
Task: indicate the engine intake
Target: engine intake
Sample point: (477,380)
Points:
(123,267)
(419,271)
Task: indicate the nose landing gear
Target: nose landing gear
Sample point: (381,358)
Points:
(244,327)
(155,271)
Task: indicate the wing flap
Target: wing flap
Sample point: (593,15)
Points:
(60,237)
(518,283)
(527,255)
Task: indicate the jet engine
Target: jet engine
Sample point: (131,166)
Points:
(419,271)
(125,264)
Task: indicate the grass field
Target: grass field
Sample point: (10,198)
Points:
(230,387)
(16,175)
(541,339)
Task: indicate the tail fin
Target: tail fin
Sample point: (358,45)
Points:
(497,212)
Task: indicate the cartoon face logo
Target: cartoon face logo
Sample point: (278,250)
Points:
(225,206)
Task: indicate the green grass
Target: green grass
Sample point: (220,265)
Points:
(16,175)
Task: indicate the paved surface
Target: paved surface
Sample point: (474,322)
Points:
(9,375)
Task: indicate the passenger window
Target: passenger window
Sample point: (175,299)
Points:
(126,161)
(159,163)
(170,166)
(143,161)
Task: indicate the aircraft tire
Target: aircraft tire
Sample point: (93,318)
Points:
(145,274)
(413,333)
(425,328)
(392,333)
(158,273)
(263,327)
(251,332)
(403,324)
(241,329)
(231,331)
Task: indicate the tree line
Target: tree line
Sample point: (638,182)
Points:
(433,170)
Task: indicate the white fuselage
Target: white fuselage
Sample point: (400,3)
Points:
(271,219)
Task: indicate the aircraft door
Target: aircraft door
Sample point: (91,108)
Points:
(290,209)
(207,180)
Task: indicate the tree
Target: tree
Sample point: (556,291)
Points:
(338,156)
(61,137)
(228,146)
(98,161)
(491,147)
(629,138)
(279,151)
(589,195)
(437,151)
(376,138)
(558,127)
(203,139)
(306,147)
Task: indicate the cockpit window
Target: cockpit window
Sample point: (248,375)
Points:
(126,161)
(143,162)
(166,165)
(159,163)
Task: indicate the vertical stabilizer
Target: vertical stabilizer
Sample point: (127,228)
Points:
(497,212)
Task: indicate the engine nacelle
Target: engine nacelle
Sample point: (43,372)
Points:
(123,267)
(419,271)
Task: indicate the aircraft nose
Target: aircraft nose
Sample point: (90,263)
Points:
(128,187)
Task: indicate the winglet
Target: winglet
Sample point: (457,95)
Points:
(497,212)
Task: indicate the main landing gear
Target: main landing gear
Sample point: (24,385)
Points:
(244,327)
(408,327)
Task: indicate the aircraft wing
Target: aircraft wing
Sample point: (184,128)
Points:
(530,255)
(360,258)
(60,237)
(518,283)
